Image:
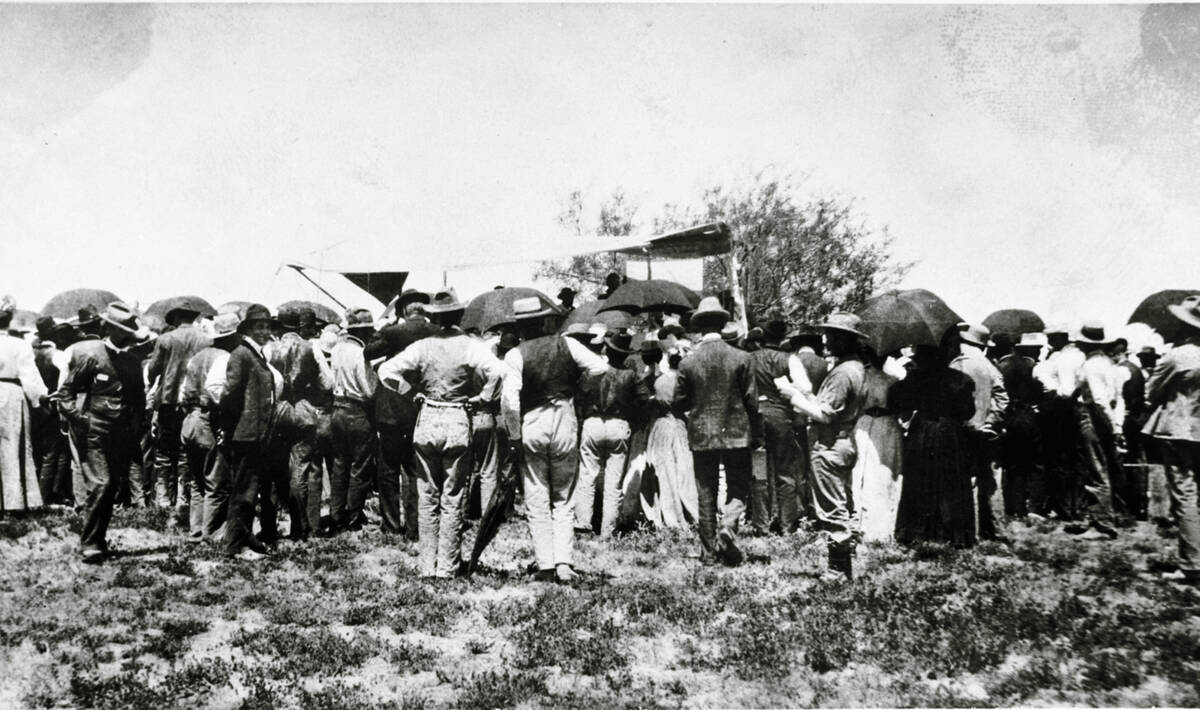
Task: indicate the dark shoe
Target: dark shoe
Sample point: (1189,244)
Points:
(731,556)
(257,545)
(93,556)
(544,575)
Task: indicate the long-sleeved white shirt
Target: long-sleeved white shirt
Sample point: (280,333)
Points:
(17,363)
(510,394)
(438,367)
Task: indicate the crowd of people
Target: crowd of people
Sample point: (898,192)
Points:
(680,421)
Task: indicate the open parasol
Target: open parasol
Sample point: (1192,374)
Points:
(896,319)
(495,307)
(490,521)
(1015,322)
(192,303)
(324,313)
(590,312)
(1153,312)
(635,296)
(66,305)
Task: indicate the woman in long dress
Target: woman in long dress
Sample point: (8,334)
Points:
(936,504)
(20,384)
(667,451)
(880,441)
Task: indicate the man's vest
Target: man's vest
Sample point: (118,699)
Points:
(548,371)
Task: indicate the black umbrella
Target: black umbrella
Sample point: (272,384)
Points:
(323,312)
(495,307)
(502,498)
(66,305)
(1015,322)
(1153,312)
(896,319)
(192,303)
(589,313)
(651,295)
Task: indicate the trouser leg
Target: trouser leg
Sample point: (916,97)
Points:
(549,478)
(219,486)
(832,468)
(616,459)
(360,443)
(389,474)
(107,455)
(199,459)
(804,492)
(737,487)
(429,489)
(592,455)
(169,465)
(705,464)
(457,464)
(245,466)
(783,465)
(1096,490)
(1182,462)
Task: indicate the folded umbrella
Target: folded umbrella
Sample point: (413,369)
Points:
(651,295)
(192,303)
(493,517)
(66,305)
(1153,312)
(495,307)
(1015,322)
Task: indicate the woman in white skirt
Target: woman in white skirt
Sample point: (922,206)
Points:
(20,387)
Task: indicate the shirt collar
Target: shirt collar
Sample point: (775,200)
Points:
(253,344)
(710,337)
(347,338)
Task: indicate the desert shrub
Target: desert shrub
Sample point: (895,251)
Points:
(261,695)
(339,696)
(197,677)
(1043,671)
(123,690)
(485,691)
(131,577)
(759,646)
(1109,669)
(1049,552)
(299,610)
(417,607)
(319,652)
(363,614)
(566,629)
(412,658)
(176,565)
(174,638)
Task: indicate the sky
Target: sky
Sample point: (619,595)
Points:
(1045,157)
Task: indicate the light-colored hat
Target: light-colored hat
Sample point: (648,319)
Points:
(845,322)
(120,315)
(359,319)
(225,325)
(530,307)
(708,311)
(730,333)
(1092,333)
(976,335)
(1188,311)
(444,302)
(1032,340)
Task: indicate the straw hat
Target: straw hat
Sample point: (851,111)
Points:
(843,322)
(709,312)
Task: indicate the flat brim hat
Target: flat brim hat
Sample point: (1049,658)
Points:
(254,313)
(978,335)
(530,308)
(182,314)
(708,313)
(1092,333)
(584,334)
(410,295)
(1031,341)
(844,323)
(225,325)
(730,333)
(86,316)
(359,319)
(1188,311)
(620,343)
(444,302)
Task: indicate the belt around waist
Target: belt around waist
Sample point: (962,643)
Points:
(10,381)
(350,401)
(444,405)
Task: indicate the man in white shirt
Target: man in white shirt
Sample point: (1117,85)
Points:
(354,444)
(539,414)
(1097,390)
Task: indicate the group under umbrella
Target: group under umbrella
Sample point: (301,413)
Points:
(898,319)
(495,307)
(66,305)
(1152,311)
(635,296)
(588,313)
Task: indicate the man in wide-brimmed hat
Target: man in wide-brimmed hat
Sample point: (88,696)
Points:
(444,372)
(566,298)
(353,474)
(833,413)
(247,410)
(1059,422)
(986,425)
(609,405)
(168,365)
(592,336)
(716,390)
(108,377)
(537,405)
(1173,395)
(200,396)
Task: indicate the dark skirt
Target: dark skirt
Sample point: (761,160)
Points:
(936,504)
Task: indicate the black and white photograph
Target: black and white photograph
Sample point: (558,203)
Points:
(591,355)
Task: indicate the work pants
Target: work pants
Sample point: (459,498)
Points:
(804,490)
(1182,462)
(246,463)
(988,495)
(218,487)
(199,448)
(1021,453)
(398,473)
(53,460)
(603,451)
(110,446)
(707,465)
(775,501)
(832,488)
(486,448)
(1097,459)
(549,474)
(170,466)
(307,461)
(353,476)
(137,487)
(442,440)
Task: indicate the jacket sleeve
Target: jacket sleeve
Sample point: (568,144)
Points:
(999,402)
(1161,381)
(234,397)
(749,390)
(681,403)
(510,393)
(157,362)
(80,372)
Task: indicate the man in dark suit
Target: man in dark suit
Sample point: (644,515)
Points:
(168,367)
(776,500)
(247,415)
(717,393)
(1133,394)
